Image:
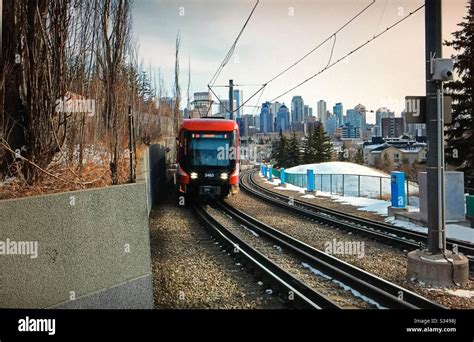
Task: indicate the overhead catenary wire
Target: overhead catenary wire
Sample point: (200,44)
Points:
(232,48)
(258,101)
(333,35)
(238,85)
(243,104)
(382,15)
(322,43)
(332,50)
(348,54)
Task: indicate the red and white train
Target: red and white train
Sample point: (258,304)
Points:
(208,158)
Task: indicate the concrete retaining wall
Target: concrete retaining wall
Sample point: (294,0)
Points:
(93,248)
(152,171)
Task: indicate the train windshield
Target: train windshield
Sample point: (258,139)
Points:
(210,149)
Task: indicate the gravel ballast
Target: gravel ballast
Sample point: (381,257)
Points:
(327,287)
(378,258)
(190,271)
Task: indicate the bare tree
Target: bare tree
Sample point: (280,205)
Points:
(40,30)
(69,48)
(188,105)
(115,34)
(177,90)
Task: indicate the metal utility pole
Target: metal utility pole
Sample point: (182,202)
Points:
(231,99)
(435,131)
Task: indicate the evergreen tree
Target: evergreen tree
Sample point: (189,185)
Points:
(317,147)
(460,134)
(342,155)
(145,91)
(293,157)
(309,151)
(280,151)
(322,145)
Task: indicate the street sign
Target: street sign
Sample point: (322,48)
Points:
(415,109)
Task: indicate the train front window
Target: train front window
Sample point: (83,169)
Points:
(210,149)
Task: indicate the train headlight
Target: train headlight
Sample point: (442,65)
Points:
(224,176)
(194,175)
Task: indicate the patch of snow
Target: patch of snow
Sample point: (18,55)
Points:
(275,181)
(462,293)
(348,175)
(345,287)
(291,187)
(308,196)
(250,230)
(278,248)
(458,292)
(363,203)
(453,231)
(337,168)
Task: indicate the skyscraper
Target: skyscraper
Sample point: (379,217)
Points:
(274,107)
(338,111)
(238,97)
(266,118)
(322,112)
(297,109)
(305,113)
(363,116)
(382,113)
(282,119)
(353,117)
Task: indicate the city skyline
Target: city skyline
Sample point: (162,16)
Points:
(395,59)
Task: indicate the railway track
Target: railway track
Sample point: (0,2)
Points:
(378,290)
(383,232)
(300,294)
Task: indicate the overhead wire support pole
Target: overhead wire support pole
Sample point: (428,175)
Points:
(243,104)
(231,99)
(434,127)
(435,265)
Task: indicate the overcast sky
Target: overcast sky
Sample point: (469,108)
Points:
(280,32)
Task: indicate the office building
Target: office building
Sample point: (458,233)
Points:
(297,110)
(392,127)
(282,121)
(238,97)
(322,112)
(266,118)
(338,111)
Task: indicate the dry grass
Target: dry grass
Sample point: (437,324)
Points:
(94,174)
